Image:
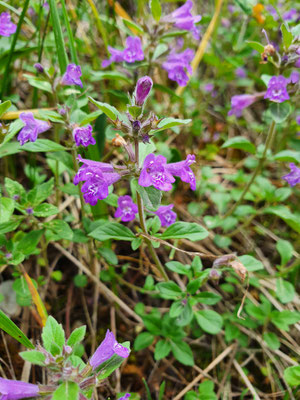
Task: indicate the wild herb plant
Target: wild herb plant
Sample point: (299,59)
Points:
(103,179)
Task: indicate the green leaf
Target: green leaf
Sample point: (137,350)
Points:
(285,249)
(286,36)
(186,316)
(288,155)
(170,122)
(208,298)
(143,340)
(90,118)
(66,391)
(185,230)
(245,6)
(282,319)
(28,244)
(40,193)
(76,336)
(155,9)
(176,266)
(9,226)
(176,308)
(112,230)
(39,83)
(42,145)
(280,111)
(151,197)
(206,391)
(240,142)
(285,291)
(162,349)
(182,352)
(12,330)
(110,111)
(132,25)
(284,213)
(14,188)
(251,263)
(45,210)
(53,336)
(169,290)
(209,321)
(4,107)
(33,356)
(292,375)
(272,340)
(256,46)
(7,207)
(60,229)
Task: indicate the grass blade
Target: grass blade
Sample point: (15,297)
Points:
(11,328)
(59,39)
(73,52)
(14,41)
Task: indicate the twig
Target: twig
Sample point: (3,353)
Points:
(110,296)
(246,380)
(215,362)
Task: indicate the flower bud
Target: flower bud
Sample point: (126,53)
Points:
(136,126)
(39,67)
(143,87)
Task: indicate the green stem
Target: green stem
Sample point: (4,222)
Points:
(74,156)
(257,170)
(148,241)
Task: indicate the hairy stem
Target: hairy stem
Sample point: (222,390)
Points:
(148,242)
(257,169)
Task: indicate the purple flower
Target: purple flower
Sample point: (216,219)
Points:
(298,119)
(277,89)
(239,102)
(15,390)
(29,210)
(178,64)
(155,173)
(166,215)
(132,52)
(107,349)
(127,209)
(240,73)
(273,12)
(98,177)
(293,177)
(83,136)
(72,75)
(297,63)
(183,19)
(7,28)
(290,15)
(142,90)
(33,127)
(125,397)
(208,87)
(183,171)
(294,77)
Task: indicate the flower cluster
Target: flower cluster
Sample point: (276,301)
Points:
(276,90)
(72,76)
(107,349)
(178,64)
(7,27)
(132,52)
(97,177)
(156,172)
(182,18)
(33,127)
(83,136)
